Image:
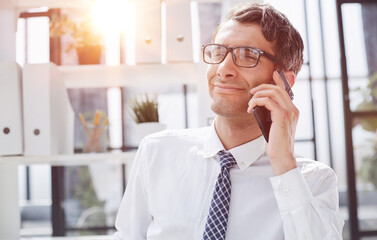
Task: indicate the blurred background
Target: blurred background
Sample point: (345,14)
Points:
(335,91)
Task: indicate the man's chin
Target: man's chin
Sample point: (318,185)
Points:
(229,110)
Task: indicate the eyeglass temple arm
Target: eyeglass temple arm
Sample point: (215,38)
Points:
(280,70)
(274,59)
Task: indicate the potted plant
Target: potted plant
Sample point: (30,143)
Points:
(87,40)
(368,168)
(144,111)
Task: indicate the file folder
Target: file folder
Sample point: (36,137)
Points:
(178,32)
(11,129)
(148,31)
(48,115)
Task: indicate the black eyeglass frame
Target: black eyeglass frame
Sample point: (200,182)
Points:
(231,49)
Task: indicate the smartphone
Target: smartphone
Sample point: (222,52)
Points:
(263,116)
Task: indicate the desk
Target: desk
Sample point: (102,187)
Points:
(9,200)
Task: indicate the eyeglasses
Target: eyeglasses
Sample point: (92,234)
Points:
(243,56)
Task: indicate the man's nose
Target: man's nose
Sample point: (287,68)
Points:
(227,68)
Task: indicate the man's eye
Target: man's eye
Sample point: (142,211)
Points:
(217,55)
(251,57)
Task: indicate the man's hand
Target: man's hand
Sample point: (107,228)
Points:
(284,116)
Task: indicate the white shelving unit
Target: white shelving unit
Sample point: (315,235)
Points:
(72,238)
(100,76)
(96,76)
(72,159)
(9,208)
(88,76)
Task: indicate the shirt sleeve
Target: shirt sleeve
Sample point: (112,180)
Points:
(309,206)
(133,217)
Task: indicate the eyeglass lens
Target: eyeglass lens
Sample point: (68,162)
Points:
(243,56)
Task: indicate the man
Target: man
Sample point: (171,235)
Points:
(225,181)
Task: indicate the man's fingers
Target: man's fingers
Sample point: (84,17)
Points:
(280,105)
(262,101)
(277,79)
(275,94)
(280,98)
(280,90)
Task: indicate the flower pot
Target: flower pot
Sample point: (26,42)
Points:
(89,54)
(146,128)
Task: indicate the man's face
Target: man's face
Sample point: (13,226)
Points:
(229,85)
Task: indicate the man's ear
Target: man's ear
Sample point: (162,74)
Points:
(291,77)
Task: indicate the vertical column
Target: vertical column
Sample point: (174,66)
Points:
(9,209)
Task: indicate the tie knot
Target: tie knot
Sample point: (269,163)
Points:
(226,159)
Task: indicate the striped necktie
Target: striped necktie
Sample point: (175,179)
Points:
(217,219)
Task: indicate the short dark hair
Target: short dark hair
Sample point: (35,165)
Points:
(275,27)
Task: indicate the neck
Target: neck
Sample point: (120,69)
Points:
(234,132)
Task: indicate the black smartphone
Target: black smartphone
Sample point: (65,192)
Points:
(263,116)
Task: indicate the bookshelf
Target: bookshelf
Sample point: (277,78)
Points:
(72,159)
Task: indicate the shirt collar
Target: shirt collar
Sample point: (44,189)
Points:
(245,154)
(212,144)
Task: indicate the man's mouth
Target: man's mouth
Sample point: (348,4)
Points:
(227,88)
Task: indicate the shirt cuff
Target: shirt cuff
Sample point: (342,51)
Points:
(291,190)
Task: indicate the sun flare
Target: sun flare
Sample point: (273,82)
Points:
(110,15)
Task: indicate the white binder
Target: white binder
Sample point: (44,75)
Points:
(48,115)
(10,109)
(148,31)
(178,31)
(8,26)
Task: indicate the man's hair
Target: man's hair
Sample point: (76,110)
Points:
(275,28)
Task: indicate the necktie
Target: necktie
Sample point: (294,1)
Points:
(217,219)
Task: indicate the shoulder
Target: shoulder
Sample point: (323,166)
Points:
(166,150)
(171,141)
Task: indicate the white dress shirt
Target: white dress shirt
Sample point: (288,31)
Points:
(170,189)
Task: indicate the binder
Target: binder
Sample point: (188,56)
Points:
(148,31)
(48,115)
(11,129)
(179,38)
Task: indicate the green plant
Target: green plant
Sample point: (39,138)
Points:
(144,108)
(84,191)
(83,32)
(369,104)
(368,168)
